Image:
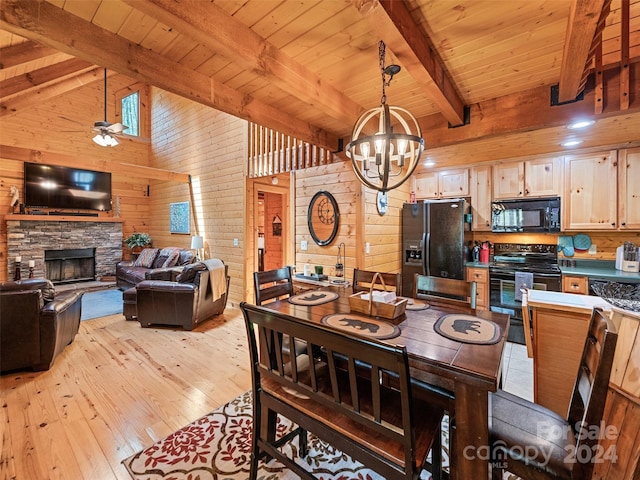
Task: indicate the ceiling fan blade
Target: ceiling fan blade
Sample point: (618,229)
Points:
(117,128)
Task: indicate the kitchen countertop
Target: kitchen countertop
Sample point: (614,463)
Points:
(600,269)
(476,264)
(566,301)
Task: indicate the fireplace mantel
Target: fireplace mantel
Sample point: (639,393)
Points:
(62,218)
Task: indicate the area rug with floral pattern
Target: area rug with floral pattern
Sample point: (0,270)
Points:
(218,447)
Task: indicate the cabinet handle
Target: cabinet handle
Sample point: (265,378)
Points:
(624,224)
(613,224)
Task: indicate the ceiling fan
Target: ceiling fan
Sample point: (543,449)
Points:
(107,132)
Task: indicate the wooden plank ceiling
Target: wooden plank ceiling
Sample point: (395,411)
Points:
(308,67)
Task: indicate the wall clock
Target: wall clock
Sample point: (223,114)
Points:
(382,202)
(323,218)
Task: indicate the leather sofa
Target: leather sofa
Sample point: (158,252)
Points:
(36,324)
(152,264)
(198,294)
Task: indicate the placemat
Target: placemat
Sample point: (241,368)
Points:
(362,325)
(468,329)
(315,297)
(414,304)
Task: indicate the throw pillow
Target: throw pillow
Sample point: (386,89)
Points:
(172,259)
(162,257)
(188,274)
(48,292)
(146,257)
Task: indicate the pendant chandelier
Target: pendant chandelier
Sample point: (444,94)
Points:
(386,143)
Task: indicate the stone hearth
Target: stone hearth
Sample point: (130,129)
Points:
(30,238)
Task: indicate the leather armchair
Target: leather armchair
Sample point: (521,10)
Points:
(35,323)
(173,303)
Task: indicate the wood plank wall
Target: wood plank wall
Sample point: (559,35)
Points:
(212,147)
(359,222)
(61,128)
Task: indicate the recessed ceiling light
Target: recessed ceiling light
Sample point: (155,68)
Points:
(429,163)
(571,143)
(580,124)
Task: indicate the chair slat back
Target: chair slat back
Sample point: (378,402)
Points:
(272,284)
(447,290)
(590,390)
(362,281)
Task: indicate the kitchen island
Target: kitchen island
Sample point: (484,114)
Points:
(560,324)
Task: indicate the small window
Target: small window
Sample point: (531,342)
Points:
(130,106)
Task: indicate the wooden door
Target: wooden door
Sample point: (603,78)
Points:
(480,184)
(543,177)
(629,184)
(590,196)
(508,180)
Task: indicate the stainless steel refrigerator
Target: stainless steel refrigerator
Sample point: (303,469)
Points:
(435,237)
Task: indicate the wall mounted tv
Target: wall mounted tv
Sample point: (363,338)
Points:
(52,186)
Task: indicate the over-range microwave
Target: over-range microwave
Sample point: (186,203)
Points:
(526,215)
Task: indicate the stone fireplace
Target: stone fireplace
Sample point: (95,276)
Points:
(64,250)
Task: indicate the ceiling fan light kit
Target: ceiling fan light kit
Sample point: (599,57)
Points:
(384,160)
(106,132)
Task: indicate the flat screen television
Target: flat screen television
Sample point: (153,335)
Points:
(52,186)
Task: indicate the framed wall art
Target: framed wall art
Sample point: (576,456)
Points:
(179,217)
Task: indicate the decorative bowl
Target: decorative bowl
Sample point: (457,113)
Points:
(626,296)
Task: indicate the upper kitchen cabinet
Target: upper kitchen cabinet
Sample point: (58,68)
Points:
(541,177)
(629,188)
(590,192)
(480,186)
(443,184)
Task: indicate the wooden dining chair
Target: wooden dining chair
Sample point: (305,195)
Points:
(526,322)
(362,281)
(272,284)
(385,428)
(446,291)
(556,447)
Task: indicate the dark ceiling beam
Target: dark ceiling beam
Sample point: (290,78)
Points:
(212,27)
(22,53)
(47,24)
(394,24)
(581,29)
(42,76)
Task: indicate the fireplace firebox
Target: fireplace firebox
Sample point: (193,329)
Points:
(70,265)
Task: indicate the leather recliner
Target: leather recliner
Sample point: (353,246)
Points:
(161,302)
(36,324)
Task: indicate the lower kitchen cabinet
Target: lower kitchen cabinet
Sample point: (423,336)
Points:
(575,284)
(481,277)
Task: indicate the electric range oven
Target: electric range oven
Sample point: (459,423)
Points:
(531,265)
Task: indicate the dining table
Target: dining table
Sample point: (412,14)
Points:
(470,371)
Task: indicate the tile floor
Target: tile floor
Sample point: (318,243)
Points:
(517,371)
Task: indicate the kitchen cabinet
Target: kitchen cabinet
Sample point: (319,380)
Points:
(443,184)
(540,177)
(590,190)
(629,189)
(481,196)
(575,284)
(481,277)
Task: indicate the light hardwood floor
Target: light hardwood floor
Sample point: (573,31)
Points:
(115,390)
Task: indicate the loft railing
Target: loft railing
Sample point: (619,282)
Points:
(271,152)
